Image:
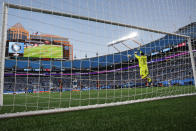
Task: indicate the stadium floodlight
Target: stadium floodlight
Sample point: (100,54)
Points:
(125,38)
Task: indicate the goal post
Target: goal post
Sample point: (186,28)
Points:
(2,51)
(192,59)
(40,80)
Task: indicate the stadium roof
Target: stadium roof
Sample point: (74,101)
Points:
(52,36)
(189,30)
(48,36)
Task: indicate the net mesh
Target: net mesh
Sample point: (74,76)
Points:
(60,62)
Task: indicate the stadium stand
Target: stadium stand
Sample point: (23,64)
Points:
(122,71)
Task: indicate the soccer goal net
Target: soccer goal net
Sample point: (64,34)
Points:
(63,56)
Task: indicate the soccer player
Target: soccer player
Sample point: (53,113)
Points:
(60,85)
(142,59)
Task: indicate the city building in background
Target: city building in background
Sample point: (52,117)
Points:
(17,32)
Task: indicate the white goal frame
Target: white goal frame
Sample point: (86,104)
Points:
(5,8)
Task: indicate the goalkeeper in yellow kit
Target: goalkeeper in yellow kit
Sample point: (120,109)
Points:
(142,59)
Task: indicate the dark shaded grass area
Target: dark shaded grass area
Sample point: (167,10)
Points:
(169,114)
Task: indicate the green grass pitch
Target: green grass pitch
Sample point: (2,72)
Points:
(44,51)
(177,114)
(51,100)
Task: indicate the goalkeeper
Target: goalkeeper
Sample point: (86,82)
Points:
(142,59)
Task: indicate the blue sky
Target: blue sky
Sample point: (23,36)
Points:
(91,37)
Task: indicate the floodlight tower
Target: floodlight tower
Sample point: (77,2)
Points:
(123,39)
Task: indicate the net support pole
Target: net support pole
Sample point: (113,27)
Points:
(137,42)
(126,46)
(116,48)
(192,59)
(2,49)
